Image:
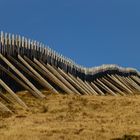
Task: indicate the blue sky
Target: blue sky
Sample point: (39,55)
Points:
(91,32)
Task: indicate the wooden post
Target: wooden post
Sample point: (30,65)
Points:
(56,73)
(83,90)
(4,108)
(112,85)
(13,94)
(18,80)
(40,95)
(27,71)
(107,88)
(37,74)
(97,89)
(135,83)
(120,83)
(7,99)
(71,81)
(85,86)
(132,84)
(136,79)
(53,78)
(123,80)
(91,88)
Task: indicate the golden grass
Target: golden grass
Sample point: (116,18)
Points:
(72,117)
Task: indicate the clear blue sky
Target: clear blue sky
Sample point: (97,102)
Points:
(91,32)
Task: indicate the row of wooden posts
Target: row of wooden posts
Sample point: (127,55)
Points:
(29,65)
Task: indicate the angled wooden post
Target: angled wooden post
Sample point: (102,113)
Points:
(4,108)
(37,74)
(82,85)
(7,99)
(112,85)
(18,80)
(119,83)
(97,88)
(71,81)
(53,78)
(56,73)
(132,84)
(19,101)
(79,85)
(107,88)
(91,88)
(136,79)
(27,71)
(40,95)
(123,80)
(135,83)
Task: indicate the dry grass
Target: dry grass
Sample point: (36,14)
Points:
(66,117)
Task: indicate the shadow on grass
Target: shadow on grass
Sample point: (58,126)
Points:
(128,137)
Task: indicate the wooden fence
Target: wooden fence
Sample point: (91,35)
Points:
(29,65)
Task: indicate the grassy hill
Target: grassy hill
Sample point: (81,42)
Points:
(72,117)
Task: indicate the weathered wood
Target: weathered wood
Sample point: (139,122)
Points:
(97,89)
(107,88)
(111,85)
(123,80)
(53,78)
(82,88)
(56,73)
(91,88)
(19,101)
(40,95)
(80,82)
(60,73)
(131,83)
(101,87)
(124,83)
(136,79)
(37,74)
(119,83)
(27,71)
(85,86)
(135,83)
(7,99)
(4,108)
(71,81)
(18,80)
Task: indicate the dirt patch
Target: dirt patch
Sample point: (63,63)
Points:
(73,117)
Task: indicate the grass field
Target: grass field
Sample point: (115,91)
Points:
(70,117)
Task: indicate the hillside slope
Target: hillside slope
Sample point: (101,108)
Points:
(72,117)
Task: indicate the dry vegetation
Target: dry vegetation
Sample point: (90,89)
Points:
(66,117)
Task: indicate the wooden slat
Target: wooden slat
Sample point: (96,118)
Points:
(79,84)
(18,80)
(56,73)
(106,87)
(119,83)
(124,83)
(53,78)
(37,74)
(40,95)
(91,88)
(7,99)
(112,85)
(97,89)
(85,86)
(3,108)
(19,101)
